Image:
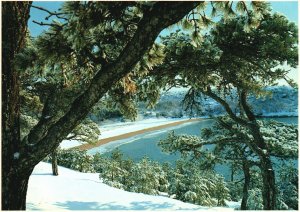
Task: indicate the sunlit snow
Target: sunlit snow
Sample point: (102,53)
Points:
(72,190)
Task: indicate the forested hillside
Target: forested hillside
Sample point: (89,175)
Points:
(281,101)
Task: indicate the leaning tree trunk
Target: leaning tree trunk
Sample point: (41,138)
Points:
(54,163)
(266,169)
(246,186)
(261,149)
(14,178)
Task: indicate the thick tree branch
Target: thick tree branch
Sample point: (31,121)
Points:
(246,108)
(161,15)
(214,96)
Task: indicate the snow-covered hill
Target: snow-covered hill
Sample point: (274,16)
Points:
(282,102)
(72,190)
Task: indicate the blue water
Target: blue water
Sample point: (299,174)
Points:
(146,144)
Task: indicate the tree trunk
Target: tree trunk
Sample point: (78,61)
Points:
(269,188)
(14,189)
(54,163)
(14,180)
(246,171)
(261,149)
(232,173)
(266,169)
(258,146)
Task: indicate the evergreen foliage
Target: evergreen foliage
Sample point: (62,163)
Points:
(288,185)
(227,141)
(255,199)
(37,91)
(234,57)
(74,159)
(191,183)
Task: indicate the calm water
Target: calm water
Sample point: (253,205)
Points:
(146,144)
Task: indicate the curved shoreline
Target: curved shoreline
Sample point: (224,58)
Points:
(134,133)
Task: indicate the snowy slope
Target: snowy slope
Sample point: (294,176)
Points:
(72,190)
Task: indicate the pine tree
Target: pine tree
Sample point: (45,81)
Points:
(229,58)
(226,136)
(190,182)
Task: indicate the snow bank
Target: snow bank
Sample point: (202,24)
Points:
(281,114)
(115,129)
(72,190)
(126,127)
(112,145)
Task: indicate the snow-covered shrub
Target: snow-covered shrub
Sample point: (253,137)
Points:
(113,172)
(255,201)
(114,184)
(146,177)
(221,191)
(287,183)
(75,159)
(99,162)
(235,190)
(281,138)
(190,184)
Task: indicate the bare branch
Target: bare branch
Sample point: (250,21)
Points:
(49,24)
(58,15)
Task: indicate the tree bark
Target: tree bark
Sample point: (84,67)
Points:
(54,163)
(246,186)
(14,190)
(269,188)
(232,173)
(14,177)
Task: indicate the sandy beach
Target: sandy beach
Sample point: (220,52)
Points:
(134,133)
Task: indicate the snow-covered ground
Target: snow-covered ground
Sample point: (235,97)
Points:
(119,128)
(281,114)
(73,190)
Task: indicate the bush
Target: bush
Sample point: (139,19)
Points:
(255,201)
(74,159)
(190,184)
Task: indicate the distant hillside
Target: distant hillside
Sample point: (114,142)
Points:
(282,102)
